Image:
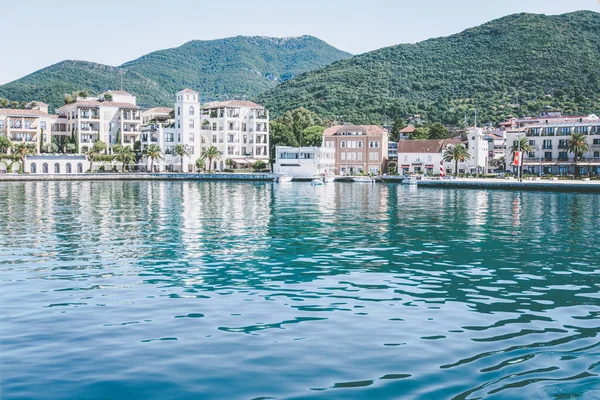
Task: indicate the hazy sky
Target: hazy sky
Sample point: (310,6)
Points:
(38,33)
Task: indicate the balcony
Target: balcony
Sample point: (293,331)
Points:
(595,146)
(562,146)
(547,147)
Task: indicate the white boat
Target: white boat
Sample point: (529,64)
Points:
(365,179)
(317,181)
(409,180)
(329,178)
(283,178)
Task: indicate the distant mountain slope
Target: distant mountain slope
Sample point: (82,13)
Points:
(513,65)
(224,68)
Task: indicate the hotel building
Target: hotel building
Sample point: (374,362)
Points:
(358,148)
(113,118)
(548,135)
(32,125)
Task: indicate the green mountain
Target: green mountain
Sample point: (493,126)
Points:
(238,67)
(516,65)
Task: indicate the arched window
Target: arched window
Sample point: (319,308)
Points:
(33,168)
(191,110)
(69,168)
(45,168)
(56,168)
(79,168)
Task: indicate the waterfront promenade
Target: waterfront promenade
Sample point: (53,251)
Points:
(138,177)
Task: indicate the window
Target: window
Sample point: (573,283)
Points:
(169,137)
(79,168)
(374,144)
(214,139)
(597,154)
(360,144)
(191,123)
(45,168)
(353,156)
(374,156)
(547,144)
(428,158)
(56,168)
(191,137)
(179,124)
(405,158)
(343,156)
(178,110)
(532,142)
(343,145)
(33,168)
(548,155)
(69,168)
(43,125)
(563,156)
(359,157)
(2,124)
(191,110)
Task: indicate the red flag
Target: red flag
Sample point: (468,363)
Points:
(517,158)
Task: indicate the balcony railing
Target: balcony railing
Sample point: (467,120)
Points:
(547,147)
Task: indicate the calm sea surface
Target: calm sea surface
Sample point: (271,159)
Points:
(244,291)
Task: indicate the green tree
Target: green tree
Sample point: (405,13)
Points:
(200,164)
(211,153)
(153,152)
(94,153)
(396,128)
(181,150)
(4,144)
(259,165)
(420,133)
(438,131)
(457,153)
(577,144)
(22,150)
(280,135)
(123,154)
(4,103)
(298,120)
(313,136)
(14,104)
(523,144)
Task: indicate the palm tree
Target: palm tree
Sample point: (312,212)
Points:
(94,152)
(210,154)
(181,150)
(577,144)
(153,152)
(456,153)
(124,154)
(4,143)
(525,146)
(23,150)
(200,164)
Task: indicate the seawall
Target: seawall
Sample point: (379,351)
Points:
(136,177)
(504,184)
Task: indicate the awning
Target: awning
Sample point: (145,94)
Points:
(405,166)
(429,166)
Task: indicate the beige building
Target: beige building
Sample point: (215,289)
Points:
(113,118)
(358,148)
(32,125)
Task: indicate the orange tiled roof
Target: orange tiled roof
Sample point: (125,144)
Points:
(373,130)
(17,112)
(232,103)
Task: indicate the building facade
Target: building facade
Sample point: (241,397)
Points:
(304,162)
(33,126)
(358,148)
(113,118)
(426,156)
(239,129)
(548,135)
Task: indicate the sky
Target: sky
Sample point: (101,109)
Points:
(39,33)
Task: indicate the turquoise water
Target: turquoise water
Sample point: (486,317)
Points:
(190,290)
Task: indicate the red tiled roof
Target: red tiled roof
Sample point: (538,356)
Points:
(233,103)
(425,146)
(373,130)
(96,103)
(408,129)
(17,112)
(187,91)
(159,110)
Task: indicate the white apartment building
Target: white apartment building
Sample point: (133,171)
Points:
(239,129)
(425,156)
(304,162)
(548,135)
(32,125)
(113,117)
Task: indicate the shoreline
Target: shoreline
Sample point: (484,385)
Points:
(459,183)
